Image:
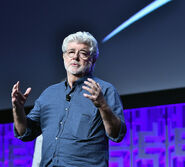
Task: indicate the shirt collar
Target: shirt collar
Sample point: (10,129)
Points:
(79,81)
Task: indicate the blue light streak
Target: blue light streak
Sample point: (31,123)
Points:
(143,12)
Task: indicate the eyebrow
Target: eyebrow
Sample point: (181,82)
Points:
(84,50)
(79,50)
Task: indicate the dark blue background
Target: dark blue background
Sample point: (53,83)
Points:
(146,56)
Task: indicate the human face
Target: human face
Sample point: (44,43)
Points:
(77,59)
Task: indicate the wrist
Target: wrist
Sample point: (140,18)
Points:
(103,105)
(17,109)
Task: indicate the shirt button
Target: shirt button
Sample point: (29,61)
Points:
(66,109)
(61,123)
(56,138)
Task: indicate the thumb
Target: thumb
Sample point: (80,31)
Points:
(28,90)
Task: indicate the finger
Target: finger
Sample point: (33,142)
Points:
(99,85)
(88,89)
(91,85)
(14,86)
(91,97)
(17,100)
(14,91)
(88,96)
(18,84)
(27,92)
(92,81)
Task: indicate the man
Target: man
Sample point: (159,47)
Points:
(77,116)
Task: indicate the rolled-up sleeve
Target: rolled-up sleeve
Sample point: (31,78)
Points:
(26,133)
(121,134)
(33,125)
(115,104)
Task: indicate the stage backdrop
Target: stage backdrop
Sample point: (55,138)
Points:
(155,138)
(146,56)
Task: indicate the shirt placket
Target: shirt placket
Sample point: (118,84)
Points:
(58,138)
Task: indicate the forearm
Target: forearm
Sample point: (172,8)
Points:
(20,121)
(18,101)
(111,122)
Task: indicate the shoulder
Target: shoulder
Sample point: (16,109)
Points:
(110,93)
(102,82)
(50,94)
(55,88)
(104,85)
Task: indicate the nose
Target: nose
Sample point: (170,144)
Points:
(76,55)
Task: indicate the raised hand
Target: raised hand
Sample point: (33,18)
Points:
(111,122)
(19,99)
(94,89)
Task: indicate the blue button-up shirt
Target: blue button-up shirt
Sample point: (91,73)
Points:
(72,128)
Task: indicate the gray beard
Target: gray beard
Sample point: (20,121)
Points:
(80,71)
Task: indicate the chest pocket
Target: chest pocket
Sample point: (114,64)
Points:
(81,120)
(81,131)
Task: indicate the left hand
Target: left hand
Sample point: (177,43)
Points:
(96,95)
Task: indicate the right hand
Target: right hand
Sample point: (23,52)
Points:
(19,99)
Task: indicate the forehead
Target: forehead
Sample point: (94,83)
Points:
(77,45)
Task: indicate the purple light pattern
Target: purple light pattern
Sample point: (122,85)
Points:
(155,138)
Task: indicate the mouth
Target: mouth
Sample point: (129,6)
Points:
(74,64)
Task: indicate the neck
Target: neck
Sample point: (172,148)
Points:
(71,78)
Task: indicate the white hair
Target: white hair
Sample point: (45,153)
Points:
(82,37)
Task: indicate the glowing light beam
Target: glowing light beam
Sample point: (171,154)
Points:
(143,12)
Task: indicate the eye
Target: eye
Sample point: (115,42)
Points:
(84,53)
(71,52)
